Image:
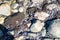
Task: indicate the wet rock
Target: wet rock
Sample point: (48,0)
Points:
(41,15)
(53,29)
(5,9)
(37,27)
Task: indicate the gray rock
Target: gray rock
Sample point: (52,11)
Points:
(54,29)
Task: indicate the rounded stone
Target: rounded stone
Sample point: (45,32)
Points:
(37,27)
(54,28)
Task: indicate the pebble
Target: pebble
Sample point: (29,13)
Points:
(15,5)
(51,6)
(47,39)
(14,11)
(1,20)
(54,28)
(21,9)
(5,9)
(43,32)
(41,15)
(19,38)
(10,32)
(32,35)
(37,27)
(28,24)
(37,1)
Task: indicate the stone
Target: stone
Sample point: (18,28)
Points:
(51,6)
(14,6)
(1,33)
(10,32)
(43,32)
(32,35)
(5,9)
(37,1)
(28,24)
(21,9)
(47,39)
(19,38)
(53,29)
(37,27)
(2,20)
(14,11)
(41,15)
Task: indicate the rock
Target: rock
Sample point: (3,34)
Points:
(37,27)
(10,32)
(21,9)
(28,24)
(1,33)
(37,1)
(5,9)
(14,6)
(47,39)
(14,11)
(32,35)
(57,39)
(50,1)
(43,32)
(19,38)
(51,6)
(41,15)
(53,29)
(1,20)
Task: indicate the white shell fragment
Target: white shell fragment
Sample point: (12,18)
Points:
(5,9)
(51,6)
(37,27)
(41,15)
(54,29)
